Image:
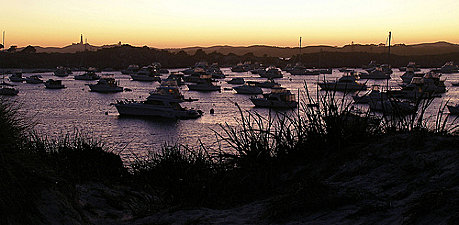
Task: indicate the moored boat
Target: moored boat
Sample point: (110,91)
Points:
(106,85)
(54,84)
(34,79)
(62,71)
(248,88)
(163,102)
(88,75)
(17,77)
(278,98)
(348,82)
(236,80)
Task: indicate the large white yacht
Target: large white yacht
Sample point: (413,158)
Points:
(106,85)
(164,102)
(278,98)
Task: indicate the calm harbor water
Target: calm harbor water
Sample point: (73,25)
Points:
(60,112)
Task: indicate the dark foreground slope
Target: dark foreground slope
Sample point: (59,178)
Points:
(331,171)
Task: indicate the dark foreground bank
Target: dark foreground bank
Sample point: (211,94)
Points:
(320,165)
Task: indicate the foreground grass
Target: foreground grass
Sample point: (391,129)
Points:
(297,160)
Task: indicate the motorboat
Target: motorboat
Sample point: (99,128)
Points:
(325,71)
(88,75)
(453,109)
(348,82)
(259,70)
(17,77)
(178,77)
(199,67)
(239,68)
(131,69)
(455,83)
(163,102)
(430,82)
(62,71)
(204,86)
(272,73)
(215,72)
(412,66)
(386,68)
(5,89)
(106,85)
(449,67)
(236,80)
(266,84)
(147,73)
(428,86)
(277,98)
(34,79)
(409,74)
(248,88)
(54,84)
(376,74)
(392,106)
(299,70)
(198,77)
(141,77)
(375,94)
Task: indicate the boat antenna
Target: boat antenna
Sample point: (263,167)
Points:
(3,39)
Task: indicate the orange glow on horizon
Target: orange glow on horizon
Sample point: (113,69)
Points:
(179,23)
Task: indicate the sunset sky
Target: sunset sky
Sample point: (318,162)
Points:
(184,23)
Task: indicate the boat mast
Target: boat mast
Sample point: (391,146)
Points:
(300,52)
(390,36)
(3,39)
(387,80)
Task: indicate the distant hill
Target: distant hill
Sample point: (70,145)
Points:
(261,50)
(435,48)
(73,48)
